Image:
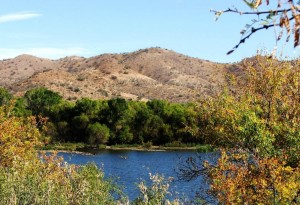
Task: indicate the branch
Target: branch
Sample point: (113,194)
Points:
(252,13)
(191,168)
(253,30)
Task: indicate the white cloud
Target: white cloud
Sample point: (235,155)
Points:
(51,53)
(18,16)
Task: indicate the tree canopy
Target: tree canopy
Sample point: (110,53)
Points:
(39,100)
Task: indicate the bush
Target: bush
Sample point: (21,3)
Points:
(205,148)
(157,193)
(98,134)
(53,182)
(5,96)
(27,177)
(147,145)
(175,144)
(18,137)
(242,178)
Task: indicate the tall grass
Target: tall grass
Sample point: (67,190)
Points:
(53,182)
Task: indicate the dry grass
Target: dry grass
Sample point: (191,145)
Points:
(144,74)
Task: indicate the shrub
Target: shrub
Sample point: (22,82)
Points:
(157,193)
(5,96)
(29,177)
(98,134)
(113,77)
(147,145)
(241,178)
(54,182)
(204,148)
(81,78)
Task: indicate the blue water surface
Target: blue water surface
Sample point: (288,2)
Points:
(130,167)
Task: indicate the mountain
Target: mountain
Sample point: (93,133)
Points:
(152,73)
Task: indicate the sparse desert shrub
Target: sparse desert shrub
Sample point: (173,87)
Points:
(113,77)
(81,78)
(76,89)
(127,67)
(95,64)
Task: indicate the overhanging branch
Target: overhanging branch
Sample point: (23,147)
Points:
(282,21)
(253,30)
(252,13)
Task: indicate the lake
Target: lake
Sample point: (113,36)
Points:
(130,167)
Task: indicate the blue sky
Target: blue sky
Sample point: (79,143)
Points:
(58,28)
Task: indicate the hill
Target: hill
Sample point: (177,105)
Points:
(153,73)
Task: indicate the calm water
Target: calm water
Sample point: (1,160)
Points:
(130,167)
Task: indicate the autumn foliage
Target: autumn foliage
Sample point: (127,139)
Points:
(258,110)
(29,177)
(257,120)
(18,137)
(247,179)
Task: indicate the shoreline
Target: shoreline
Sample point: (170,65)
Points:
(90,150)
(64,151)
(153,148)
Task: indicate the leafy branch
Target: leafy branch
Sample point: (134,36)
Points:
(285,17)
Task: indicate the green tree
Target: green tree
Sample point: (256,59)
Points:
(124,135)
(97,134)
(118,117)
(40,100)
(79,125)
(63,111)
(158,107)
(157,131)
(115,110)
(179,117)
(86,106)
(140,121)
(5,96)
(20,108)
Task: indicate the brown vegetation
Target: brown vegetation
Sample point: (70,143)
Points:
(152,73)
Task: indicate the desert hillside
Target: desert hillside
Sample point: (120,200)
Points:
(152,73)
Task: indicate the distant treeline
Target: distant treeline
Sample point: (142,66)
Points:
(110,122)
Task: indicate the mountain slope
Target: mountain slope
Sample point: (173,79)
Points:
(152,73)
